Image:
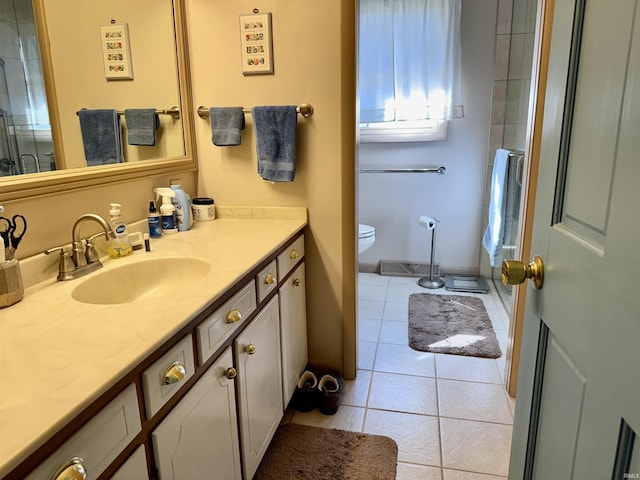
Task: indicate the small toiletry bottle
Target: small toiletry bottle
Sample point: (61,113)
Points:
(155,227)
(167,210)
(119,246)
(182,206)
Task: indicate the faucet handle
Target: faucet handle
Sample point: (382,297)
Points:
(90,252)
(65,264)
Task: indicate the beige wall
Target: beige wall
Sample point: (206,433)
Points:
(79,73)
(314,45)
(314,63)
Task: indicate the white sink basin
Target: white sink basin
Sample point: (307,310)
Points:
(129,282)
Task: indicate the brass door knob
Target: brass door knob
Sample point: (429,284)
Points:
(293,255)
(250,349)
(297,282)
(234,316)
(74,469)
(175,373)
(515,272)
(231,373)
(270,279)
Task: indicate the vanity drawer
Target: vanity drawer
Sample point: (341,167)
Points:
(165,377)
(218,326)
(98,442)
(290,257)
(267,280)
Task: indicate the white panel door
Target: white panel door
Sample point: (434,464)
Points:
(260,407)
(578,403)
(199,437)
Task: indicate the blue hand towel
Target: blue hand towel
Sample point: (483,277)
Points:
(142,124)
(494,235)
(101,136)
(275,129)
(226,123)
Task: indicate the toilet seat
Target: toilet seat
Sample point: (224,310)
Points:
(365,231)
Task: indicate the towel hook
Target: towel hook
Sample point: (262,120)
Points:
(255,10)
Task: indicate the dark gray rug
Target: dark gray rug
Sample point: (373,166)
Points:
(314,453)
(454,324)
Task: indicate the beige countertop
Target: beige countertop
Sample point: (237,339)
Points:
(58,355)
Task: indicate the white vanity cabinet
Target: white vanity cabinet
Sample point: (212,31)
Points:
(293,325)
(206,401)
(96,444)
(199,437)
(134,467)
(260,406)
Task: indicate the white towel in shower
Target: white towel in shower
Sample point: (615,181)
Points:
(494,235)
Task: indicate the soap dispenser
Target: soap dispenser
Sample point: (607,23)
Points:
(119,246)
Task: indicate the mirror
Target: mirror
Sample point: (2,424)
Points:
(40,130)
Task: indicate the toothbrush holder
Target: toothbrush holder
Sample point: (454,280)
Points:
(11,287)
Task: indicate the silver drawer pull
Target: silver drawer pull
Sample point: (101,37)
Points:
(234,316)
(294,254)
(270,279)
(175,373)
(74,469)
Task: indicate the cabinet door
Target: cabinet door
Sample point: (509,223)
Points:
(199,437)
(259,384)
(293,325)
(134,467)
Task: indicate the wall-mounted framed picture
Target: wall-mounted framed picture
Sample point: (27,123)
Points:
(257,44)
(116,52)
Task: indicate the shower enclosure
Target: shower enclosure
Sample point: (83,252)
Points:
(512,123)
(25,131)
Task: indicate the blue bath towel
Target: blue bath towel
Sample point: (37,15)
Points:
(226,124)
(275,129)
(101,136)
(494,235)
(142,125)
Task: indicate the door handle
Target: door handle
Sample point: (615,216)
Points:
(515,272)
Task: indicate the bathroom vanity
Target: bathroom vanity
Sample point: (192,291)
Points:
(185,378)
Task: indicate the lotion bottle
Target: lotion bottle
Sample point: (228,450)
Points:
(119,246)
(183,208)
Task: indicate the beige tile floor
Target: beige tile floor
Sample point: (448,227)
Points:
(450,415)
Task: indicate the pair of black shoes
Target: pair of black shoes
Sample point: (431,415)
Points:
(325,393)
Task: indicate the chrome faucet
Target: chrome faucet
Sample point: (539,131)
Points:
(83,258)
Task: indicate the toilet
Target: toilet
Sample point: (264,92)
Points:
(366,237)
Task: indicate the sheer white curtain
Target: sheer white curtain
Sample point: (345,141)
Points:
(409,60)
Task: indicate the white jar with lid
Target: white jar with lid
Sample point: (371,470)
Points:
(203,209)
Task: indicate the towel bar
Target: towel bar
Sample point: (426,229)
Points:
(173,111)
(306,110)
(439,170)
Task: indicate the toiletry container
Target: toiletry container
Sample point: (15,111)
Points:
(153,218)
(183,211)
(167,210)
(119,246)
(203,209)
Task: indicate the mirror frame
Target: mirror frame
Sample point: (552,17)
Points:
(44,183)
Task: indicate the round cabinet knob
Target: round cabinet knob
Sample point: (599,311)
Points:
(74,469)
(231,373)
(297,282)
(175,373)
(270,279)
(294,254)
(250,349)
(515,272)
(234,316)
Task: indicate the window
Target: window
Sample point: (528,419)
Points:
(409,69)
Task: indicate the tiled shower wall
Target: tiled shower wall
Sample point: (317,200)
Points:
(511,85)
